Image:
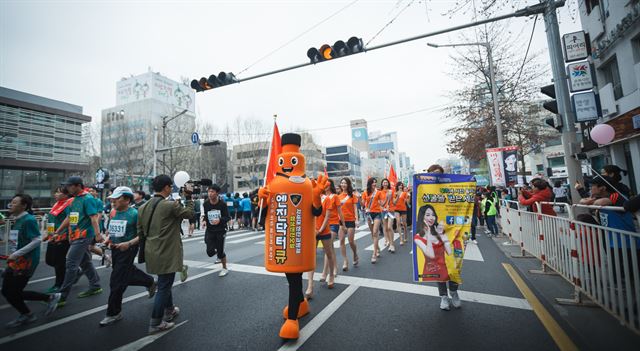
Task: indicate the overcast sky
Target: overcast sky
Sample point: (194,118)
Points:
(76,51)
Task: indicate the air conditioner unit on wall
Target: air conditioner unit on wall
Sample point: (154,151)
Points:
(607,101)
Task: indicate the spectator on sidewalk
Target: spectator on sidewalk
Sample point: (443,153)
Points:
(541,192)
(490,211)
(138,199)
(560,194)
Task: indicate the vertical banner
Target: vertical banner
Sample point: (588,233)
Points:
(496,166)
(442,211)
(510,160)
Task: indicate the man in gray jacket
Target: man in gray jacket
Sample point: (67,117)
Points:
(159,223)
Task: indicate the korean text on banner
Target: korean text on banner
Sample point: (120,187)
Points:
(443,207)
(496,166)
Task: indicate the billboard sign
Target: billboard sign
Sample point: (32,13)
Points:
(154,86)
(576,46)
(585,105)
(359,134)
(580,76)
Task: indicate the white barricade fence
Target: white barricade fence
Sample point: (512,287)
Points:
(608,264)
(556,243)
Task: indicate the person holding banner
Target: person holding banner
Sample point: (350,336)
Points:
(434,243)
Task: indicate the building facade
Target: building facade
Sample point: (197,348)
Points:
(40,145)
(344,161)
(614,34)
(143,103)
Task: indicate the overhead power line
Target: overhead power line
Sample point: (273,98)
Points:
(297,37)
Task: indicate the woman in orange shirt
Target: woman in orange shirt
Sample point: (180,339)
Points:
(323,233)
(335,221)
(387,214)
(400,202)
(375,214)
(349,202)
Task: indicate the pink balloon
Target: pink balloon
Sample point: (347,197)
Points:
(603,133)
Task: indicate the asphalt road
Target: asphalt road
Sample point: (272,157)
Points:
(374,307)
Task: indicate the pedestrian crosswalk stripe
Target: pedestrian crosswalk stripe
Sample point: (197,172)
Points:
(381,242)
(246,239)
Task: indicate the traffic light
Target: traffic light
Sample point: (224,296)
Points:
(552,106)
(339,49)
(223,78)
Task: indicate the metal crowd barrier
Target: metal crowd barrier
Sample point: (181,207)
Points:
(602,263)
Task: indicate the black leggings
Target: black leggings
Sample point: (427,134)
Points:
(215,243)
(56,257)
(442,287)
(295,294)
(13,290)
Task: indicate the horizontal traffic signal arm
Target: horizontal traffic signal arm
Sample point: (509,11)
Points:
(354,46)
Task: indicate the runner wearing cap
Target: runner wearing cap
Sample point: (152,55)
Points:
(82,226)
(122,232)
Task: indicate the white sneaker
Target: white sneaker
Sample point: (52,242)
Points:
(153,329)
(108,320)
(455,299)
(444,303)
(475,242)
(223,272)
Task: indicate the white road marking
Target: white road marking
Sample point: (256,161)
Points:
(260,236)
(428,290)
(83,314)
(140,343)
(381,242)
(319,319)
(472,252)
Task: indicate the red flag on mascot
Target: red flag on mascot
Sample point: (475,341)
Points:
(274,150)
(393,177)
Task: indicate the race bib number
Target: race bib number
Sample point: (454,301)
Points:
(74,218)
(50,228)
(117,228)
(230,204)
(13,241)
(213,215)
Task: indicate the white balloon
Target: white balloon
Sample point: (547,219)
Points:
(181,178)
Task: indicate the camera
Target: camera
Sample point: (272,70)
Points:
(199,185)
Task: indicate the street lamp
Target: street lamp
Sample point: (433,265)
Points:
(165,121)
(492,79)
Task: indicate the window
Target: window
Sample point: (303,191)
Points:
(590,4)
(556,161)
(635,47)
(612,75)
(629,162)
(539,168)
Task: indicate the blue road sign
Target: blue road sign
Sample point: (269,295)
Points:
(195,138)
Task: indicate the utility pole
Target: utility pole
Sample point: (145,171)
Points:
(569,140)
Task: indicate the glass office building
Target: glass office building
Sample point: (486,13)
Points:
(344,161)
(40,142)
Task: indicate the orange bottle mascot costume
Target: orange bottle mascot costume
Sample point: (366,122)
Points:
(293,201)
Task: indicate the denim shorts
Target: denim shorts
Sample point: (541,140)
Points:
(375,215)
(323,236)
(350,224)
(334,227)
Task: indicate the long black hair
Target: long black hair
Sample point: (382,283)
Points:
(382,182)
(332,186)
(370,182)
(349,185)
(398,184)
(420,221)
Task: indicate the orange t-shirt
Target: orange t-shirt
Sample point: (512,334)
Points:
(348,205)
(327,205)
(401,204)
(334,218)
(380,195)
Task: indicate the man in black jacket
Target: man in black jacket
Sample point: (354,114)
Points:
(216,217)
